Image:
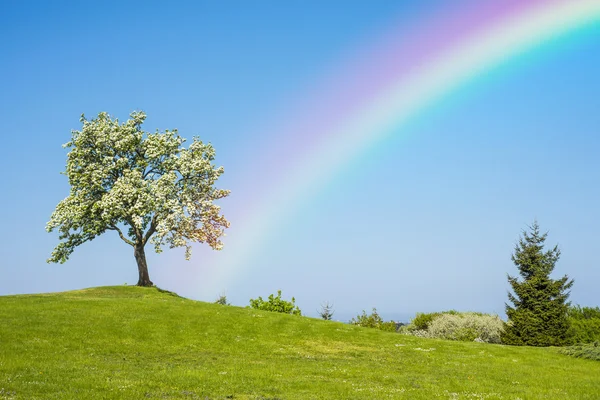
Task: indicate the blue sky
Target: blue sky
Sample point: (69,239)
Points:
(447,196)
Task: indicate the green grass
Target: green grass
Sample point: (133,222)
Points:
(140,343)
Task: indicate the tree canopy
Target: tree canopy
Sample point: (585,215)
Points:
(144,186)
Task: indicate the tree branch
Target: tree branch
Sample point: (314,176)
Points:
(150,171)
(115,228)
(136,231)
(151,230)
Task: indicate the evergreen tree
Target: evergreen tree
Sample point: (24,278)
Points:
(538,316)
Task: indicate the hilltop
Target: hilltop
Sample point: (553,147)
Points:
(142,343)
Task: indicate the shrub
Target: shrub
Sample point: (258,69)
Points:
(452,325)
(585,330)
(373,321)
(276,304)
(578,312)
(585,324)
(422,320)
(467,327)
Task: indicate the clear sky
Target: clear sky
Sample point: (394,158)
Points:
(424,219)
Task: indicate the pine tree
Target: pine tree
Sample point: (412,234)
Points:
(539,313)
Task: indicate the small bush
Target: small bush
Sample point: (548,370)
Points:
(373,321)
(589,351)
(276,304)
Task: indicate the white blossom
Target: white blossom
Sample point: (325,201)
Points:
(145,186)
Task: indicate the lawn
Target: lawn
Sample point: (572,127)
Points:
(140,343)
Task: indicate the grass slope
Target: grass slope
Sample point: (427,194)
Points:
(140,343)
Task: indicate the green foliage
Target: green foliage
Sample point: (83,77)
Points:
(276,304)
(583,313)
(585,324)
(326,311)
(591,351)
(421,321)
(373,321)
(538,315)
(585,330)
(130,342)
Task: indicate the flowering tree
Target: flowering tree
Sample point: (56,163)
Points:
(144,186)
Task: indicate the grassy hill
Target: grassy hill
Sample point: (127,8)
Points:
(140,343)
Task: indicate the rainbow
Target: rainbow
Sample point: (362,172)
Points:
(375,93)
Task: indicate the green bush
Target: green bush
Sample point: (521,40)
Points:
(585,330)
(373,321)
(276,304)
(585,324)
(422,320)
(578,312)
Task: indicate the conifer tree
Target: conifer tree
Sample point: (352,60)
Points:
(538,315)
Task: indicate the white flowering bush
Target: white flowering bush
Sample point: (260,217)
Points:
(467,326)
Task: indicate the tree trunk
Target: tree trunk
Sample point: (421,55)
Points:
(140,257)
